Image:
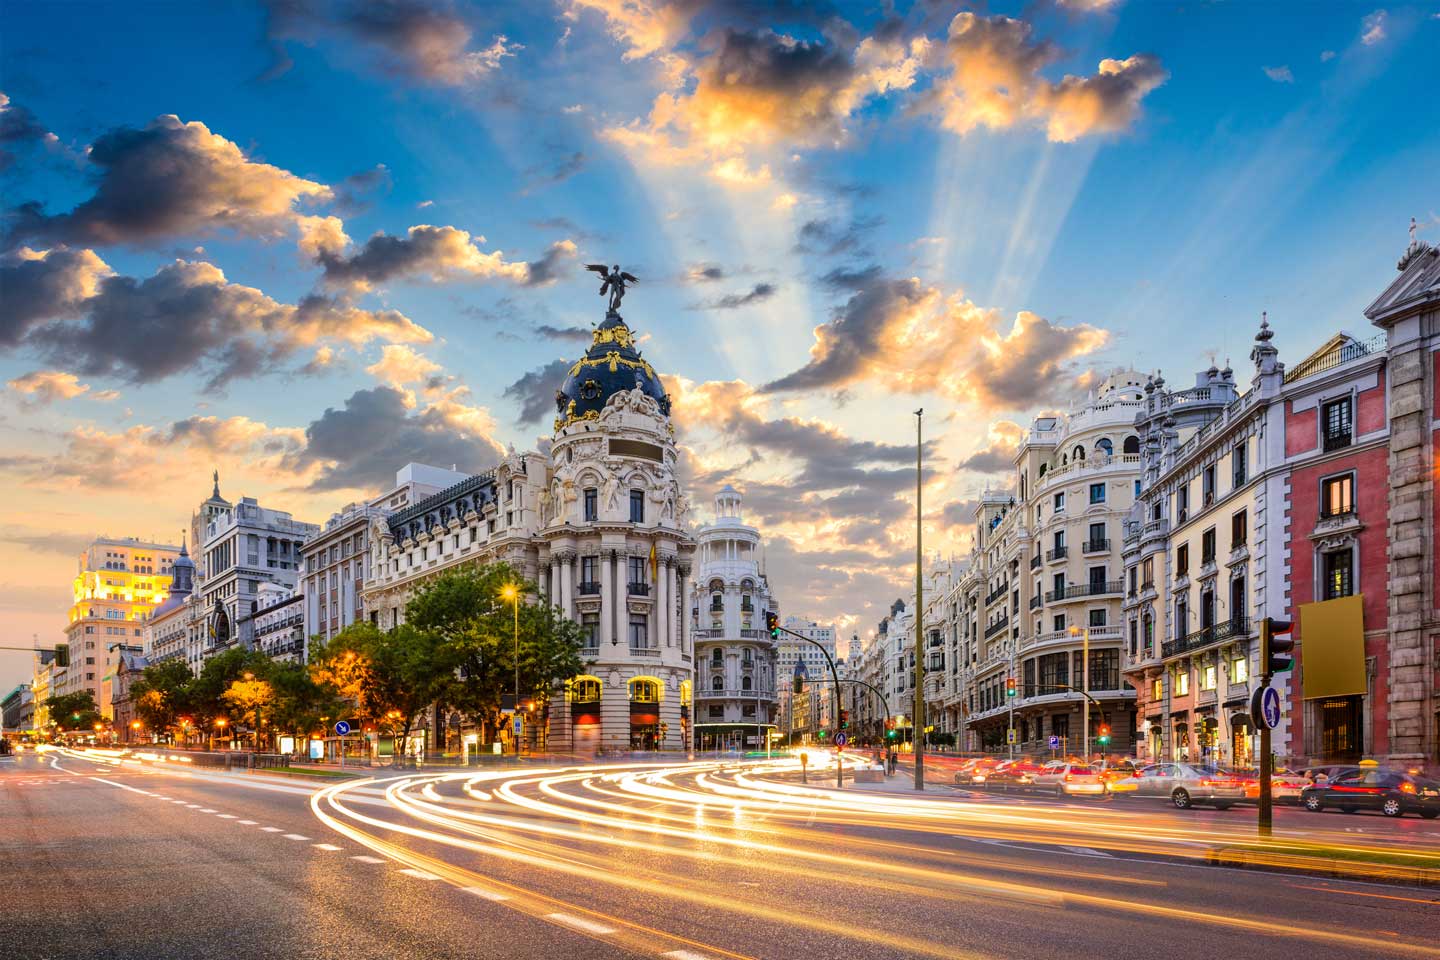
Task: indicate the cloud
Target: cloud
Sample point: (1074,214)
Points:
(1089,6)
(422,40)
(1372,28)
(46,541)
(185,318)
(565,334)
(1279,74)
(237,436)
(172,179)
(19,128)
(41,285)
(759,293)
(907,337)
(399,365)
(1327,55)
(999,455)
(353,194)
(443,433)
(46,386)
(842,278)
(994,80)
(535,391)
(704,273)
(546,270)
(558,170)
(644,27)
(959,513)
(831,238)
(426,252)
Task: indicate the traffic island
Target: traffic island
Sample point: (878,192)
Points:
(313,772)
(1342,863)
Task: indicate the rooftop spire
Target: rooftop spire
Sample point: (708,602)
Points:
(216,492)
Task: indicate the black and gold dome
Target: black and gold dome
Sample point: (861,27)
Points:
(612,364)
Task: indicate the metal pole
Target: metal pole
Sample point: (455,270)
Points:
(1010,733)
(919,725)
(515,601)
(1085,720)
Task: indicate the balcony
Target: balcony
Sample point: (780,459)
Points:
(1099,588)
(1035,602)
(1059,553)
(638,589)
(1035,562)
(997,626)
(588,588)
(1095,546)
(1337,441)
(997,593)
(1236,627)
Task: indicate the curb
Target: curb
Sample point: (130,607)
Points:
(1279,862)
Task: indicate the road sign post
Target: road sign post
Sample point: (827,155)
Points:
(1275,645)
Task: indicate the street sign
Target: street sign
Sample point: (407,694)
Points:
(518,721)
(841,739)
(342,727)
(1265,705)
(1010,735)
(1054,742)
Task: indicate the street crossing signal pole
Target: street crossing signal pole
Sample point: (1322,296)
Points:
(919,620)
(1275,649)
(772,624)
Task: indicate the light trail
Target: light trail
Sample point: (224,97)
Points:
(572,822)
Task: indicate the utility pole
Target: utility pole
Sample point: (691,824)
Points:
(919,620)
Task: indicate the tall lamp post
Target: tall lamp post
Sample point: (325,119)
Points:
(511,592)
(919,621)
(1085,686)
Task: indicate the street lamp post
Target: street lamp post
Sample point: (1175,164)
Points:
(1085,686)
(919,620)
(512,593)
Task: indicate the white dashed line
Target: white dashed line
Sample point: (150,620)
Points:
(686,955)
(208,810)
(580,923)
(224,816)
(193,806)
(420,874)
(324,846)
(486,894)
(295,836)
(177,801)
(271,829)
(365,859)
(247,823)
(1088,852)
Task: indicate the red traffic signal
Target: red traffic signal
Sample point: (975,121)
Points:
(772,623)
(1277,645)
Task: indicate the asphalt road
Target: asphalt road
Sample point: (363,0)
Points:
(686,862)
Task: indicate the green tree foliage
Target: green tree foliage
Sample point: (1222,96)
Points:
(73,711)
(162,693)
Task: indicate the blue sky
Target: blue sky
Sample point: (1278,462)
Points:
(980,207)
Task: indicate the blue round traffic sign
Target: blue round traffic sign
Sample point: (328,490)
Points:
(841,739)
(342,727)
(1266,707)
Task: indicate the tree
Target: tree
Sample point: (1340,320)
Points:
(215,679)
(299,702)
(74,711)
(388,676)
(467,610)
(249,697)
(161,693)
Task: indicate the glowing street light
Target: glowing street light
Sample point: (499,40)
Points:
(512,593)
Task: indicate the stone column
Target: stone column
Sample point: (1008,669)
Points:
(567,583)
(609,598)
(662,605)
(682,572)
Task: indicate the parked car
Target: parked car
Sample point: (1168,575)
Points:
(1188,784)
(1391,792)
(1285,785)
(1119,776)
(1065,777)
(1328,772)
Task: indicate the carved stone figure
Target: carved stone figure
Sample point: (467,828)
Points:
(614,283)
(611,492)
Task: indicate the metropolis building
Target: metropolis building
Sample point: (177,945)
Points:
(598,521)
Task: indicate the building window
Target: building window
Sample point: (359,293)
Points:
(1147,573)
(1338,424)
(747,710)
(1182,560)
(1337,496)
(1097,618)
(1339,571)
(1239,530)
(637,567)
(745,683)
(1182,683)
(1207,546)
(1157,689)
(585,690)
(1182,503)
(639,632)
(1207,484)
(644,691)
(717,683)
(717,711)
(590,624)
(1059,502)
(1208,677)
(637,506)
(1238,466)
(1059,622)
(592,504)
(1239,670)
(588,577)
(1097,493)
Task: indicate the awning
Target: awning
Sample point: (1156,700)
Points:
(1332,648)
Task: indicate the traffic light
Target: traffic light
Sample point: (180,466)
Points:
(1276,646)
(844,719)
(1010,690)
(62,654)
(821,734)
(890,734)
(772,623)
(798,684)
(1104,735)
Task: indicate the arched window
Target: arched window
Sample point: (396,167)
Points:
(1042,469)
(744,683)
(1103,445)
(644,690)
(1079,453)
(585,690)
(1132,445)
(717,682)
(1022,485)
(685,693)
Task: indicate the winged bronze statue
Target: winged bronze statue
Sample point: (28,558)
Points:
(615,280)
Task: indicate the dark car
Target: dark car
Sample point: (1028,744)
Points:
(1391,792)
(1330,772)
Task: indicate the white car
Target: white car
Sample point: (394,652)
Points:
(1186,785)
(1069,778)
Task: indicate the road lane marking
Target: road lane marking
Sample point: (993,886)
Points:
(209,810)
(247,823)
(296,836)
(1358,893)
(686,955)
(485,894)
(421,874)
(177,801)
(365,859)
(193,806)
(224,816)
(271,829)
(325,846)
(1088,852)
(580,923)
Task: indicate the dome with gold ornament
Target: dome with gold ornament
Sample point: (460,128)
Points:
(611,365)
